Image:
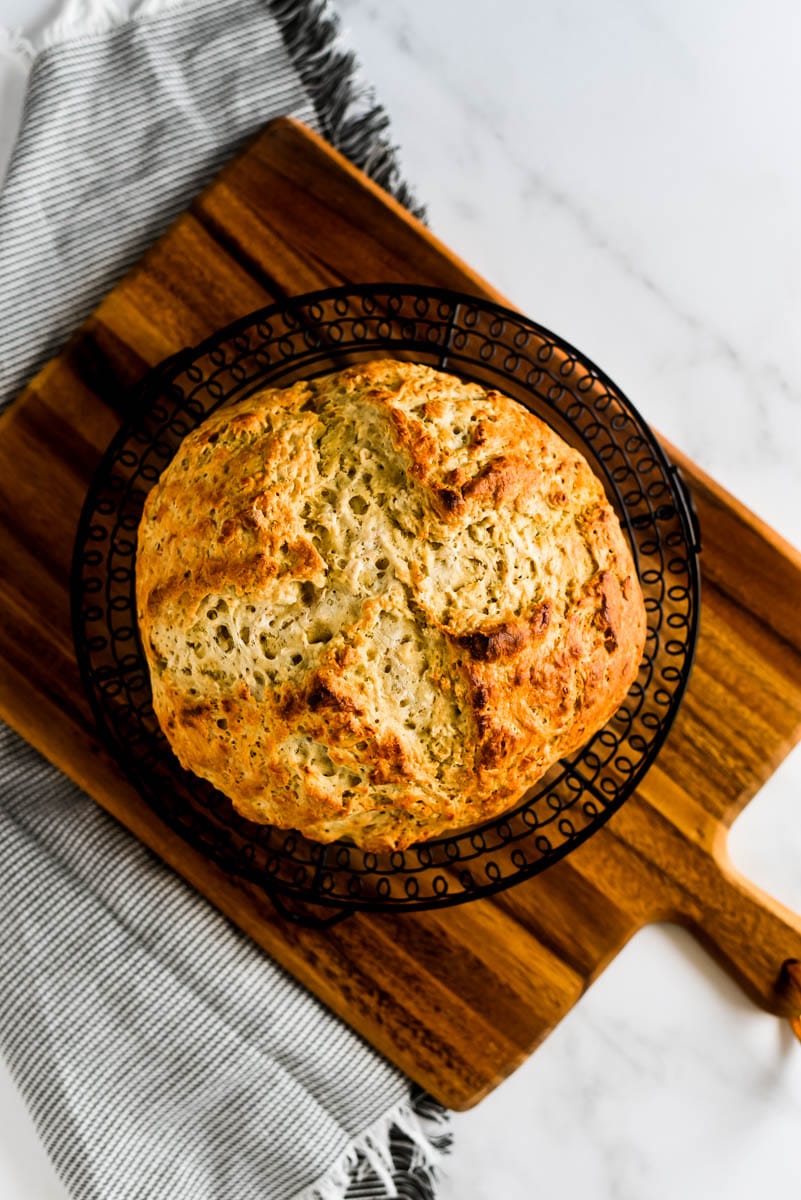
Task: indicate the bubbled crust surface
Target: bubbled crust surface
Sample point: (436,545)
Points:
(379,605)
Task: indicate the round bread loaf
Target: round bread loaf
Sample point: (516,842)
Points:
(381,604)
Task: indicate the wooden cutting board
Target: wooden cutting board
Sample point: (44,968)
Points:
(457,998)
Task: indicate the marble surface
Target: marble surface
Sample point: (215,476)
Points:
(628,175)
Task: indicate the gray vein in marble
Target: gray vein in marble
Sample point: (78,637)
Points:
(535,183)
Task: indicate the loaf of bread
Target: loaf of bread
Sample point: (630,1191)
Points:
(379,605)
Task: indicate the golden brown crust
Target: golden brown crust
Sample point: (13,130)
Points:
(380,605)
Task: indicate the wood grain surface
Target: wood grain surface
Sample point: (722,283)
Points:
(456,998)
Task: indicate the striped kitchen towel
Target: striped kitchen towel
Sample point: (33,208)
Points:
(161,1053)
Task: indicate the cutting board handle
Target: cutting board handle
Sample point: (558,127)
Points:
(754,937)
(792,971)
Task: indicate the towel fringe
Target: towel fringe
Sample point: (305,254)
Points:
(350,115)
(410,1140)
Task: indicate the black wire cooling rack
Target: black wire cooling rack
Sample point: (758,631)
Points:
(312,335)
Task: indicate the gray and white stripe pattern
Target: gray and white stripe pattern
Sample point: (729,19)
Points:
(161,1053)
(122,129)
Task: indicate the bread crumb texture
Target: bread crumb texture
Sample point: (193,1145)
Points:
(379,605)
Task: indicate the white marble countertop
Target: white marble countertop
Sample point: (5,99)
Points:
(628,175)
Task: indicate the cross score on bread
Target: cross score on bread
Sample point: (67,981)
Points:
(379,605)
